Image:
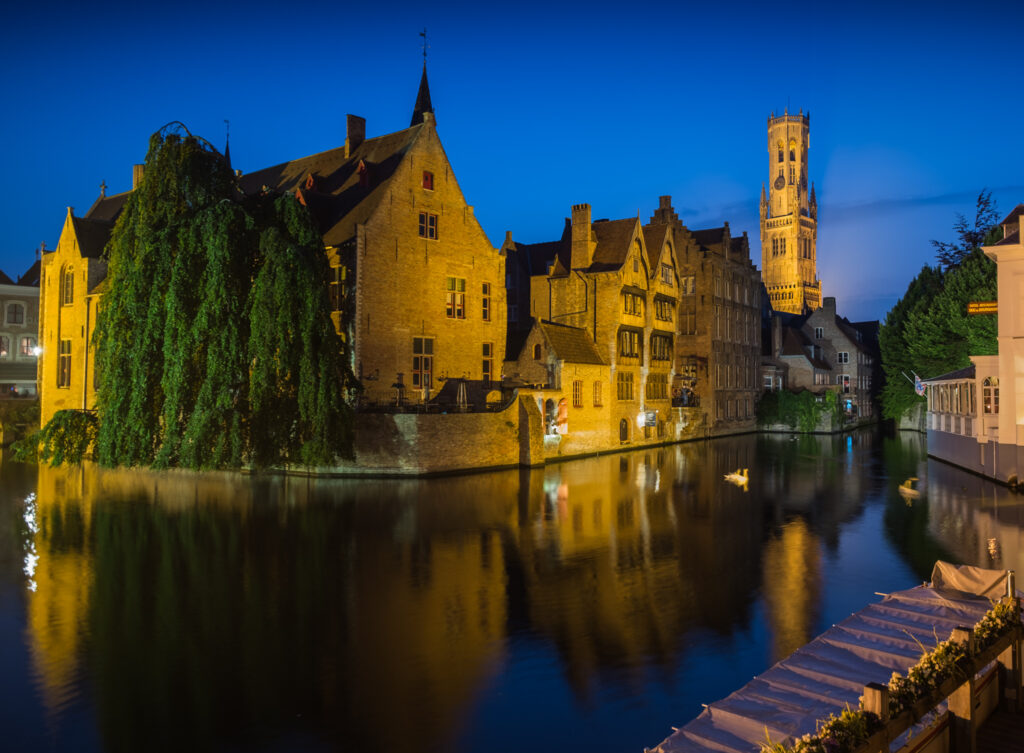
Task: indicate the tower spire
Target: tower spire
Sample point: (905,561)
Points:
(423,95)
(227,142)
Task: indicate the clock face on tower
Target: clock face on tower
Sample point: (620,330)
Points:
(779,183)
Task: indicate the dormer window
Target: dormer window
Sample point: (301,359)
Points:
(428,180)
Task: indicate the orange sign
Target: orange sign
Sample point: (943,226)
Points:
(983,307)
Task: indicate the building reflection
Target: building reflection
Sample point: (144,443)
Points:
(232,609)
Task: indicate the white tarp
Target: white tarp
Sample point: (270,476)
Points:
(829,673)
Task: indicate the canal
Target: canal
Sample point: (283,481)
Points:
(584,606)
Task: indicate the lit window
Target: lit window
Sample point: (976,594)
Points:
(577,393)
(663,310)
(428,180)
(428,226)
(486,302)
(629,344)
(624,385)
(422,361)
(657,387)
(337,280)
(455,298)
(661,348)
(666,274)
(990,394)
(844,381)
(632,304)
(5,346)
(64,364)
(28,344)
(67,286)
(488,367)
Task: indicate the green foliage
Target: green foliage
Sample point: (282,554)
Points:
(928,332)
(986,215)
(66,438)
(801,411)
(215,345)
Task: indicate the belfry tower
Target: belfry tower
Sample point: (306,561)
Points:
(789,218)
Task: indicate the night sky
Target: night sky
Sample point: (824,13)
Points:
(914,109)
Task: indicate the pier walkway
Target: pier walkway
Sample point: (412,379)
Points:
(830,673)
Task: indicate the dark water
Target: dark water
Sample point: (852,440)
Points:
(587,606)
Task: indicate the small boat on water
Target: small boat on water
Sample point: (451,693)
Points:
(739,477)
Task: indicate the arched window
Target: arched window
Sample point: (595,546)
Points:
(781,150)
(990,394)
(792,151)
(536,352)
(623,430)
(67,286)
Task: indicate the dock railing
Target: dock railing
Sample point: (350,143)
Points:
(966,711)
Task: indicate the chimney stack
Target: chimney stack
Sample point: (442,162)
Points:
(355,133)
(582,253)
(137,171)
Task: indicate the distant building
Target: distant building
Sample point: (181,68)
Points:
(789,218)
(425,287)
(975,415)
(19,323)
(823,352)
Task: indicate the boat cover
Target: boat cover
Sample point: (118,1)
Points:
(828,674)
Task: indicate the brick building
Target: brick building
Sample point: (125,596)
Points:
(719,338)
(421,284)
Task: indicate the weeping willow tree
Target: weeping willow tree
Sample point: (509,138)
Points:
(215,346)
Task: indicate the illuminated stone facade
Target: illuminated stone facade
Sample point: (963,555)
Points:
(789,218)
(19,324)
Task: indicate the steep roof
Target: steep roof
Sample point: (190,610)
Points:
(710,237)
(570,344)
(422,99)
(1014,215)
(108,207)
(337,195)
(1011,240)
(539,256)
(31,276)
(4,279)
(613,237)
(92,235)
(654,239)
(795,343)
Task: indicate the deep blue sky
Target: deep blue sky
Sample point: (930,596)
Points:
(914,109)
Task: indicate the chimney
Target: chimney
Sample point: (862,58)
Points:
(355,133)
(582,253)
(776,337)
(829,304)
(137,171)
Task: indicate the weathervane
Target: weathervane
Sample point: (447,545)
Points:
(425,45)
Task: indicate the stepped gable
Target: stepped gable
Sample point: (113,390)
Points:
(338,194)
(570,344)
(613,237)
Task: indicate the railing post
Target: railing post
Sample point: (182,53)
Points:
(876,700)
(962,732)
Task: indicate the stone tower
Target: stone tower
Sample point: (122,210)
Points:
(789,218)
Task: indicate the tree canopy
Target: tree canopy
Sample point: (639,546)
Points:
(928,332)
(215,345)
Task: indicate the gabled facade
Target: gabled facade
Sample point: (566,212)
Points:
(718,342)
(19,324)
(411,268)
(71,279)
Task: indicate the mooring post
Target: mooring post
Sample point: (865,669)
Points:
(962,732)
(1014,673)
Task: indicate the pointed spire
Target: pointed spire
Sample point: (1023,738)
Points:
(227,143)
(422,99)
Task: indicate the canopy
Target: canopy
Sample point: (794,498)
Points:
(829,674)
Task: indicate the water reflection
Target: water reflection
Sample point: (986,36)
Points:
(231,611)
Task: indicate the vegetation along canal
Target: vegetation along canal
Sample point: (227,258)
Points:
(589,605)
